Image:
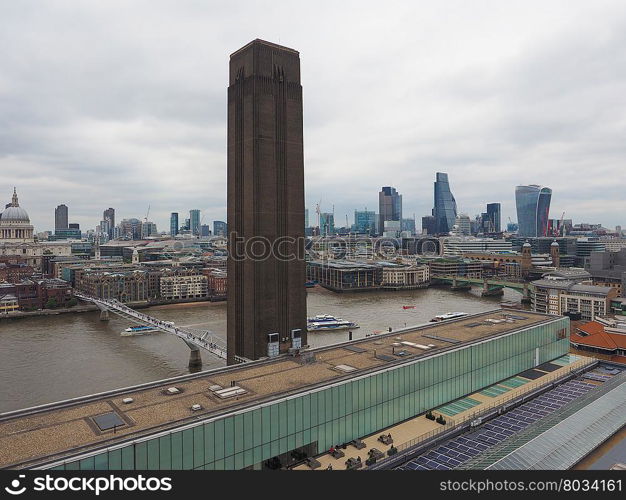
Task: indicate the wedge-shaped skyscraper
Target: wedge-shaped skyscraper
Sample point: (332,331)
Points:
(533,209)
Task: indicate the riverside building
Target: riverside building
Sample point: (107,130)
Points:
(263,414)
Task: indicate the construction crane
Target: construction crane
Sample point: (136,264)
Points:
(145,219)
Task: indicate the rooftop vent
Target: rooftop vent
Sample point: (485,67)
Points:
(196,407)
(214,388)
(345,368)
(230,392)
(172,390)
(127,401)
(354,348)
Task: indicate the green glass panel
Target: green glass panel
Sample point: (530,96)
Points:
(141,456)
(165,452)
(153,454)
(266,424)
(238,433)
(298,414)
(238,465)
(341,411)
(128,458)
(257,429)
(198,446)
(275,423)
(177,451)
(306,412)
(209,442)
(101,461)
(187,449)
(115,459)
(87,463)
(229,436)
(291,416)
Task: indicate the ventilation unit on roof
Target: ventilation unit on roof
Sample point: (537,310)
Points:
(230,392)
(172,390)
(345,368)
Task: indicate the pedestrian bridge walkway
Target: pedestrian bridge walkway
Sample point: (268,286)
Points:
(205,340)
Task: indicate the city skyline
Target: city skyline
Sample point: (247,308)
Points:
(267,344)
(506,106)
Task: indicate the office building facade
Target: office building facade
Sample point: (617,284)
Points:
(429,225)
(365,221)
(408,225)
(60,217)
(173,224)
(194,222)
(266,294)
(220,228)
(109,215)
(533,208)
(559,296)
(130,229)
(608,269)
(463,225)
(493,222)
(389,206)
(327,223)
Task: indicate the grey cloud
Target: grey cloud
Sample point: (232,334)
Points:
(124,103)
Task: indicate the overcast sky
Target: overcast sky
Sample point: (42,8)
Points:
(123,103)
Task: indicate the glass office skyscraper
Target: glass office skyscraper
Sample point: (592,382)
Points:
(493,217)
(389,205)
(194,218)
(445,205)
(174,223)
(365,221)
(533,208)
(220,228)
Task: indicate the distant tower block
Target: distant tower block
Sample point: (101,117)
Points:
(266,294)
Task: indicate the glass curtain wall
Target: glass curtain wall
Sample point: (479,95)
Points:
(340,413)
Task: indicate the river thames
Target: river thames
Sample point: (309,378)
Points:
(50,358)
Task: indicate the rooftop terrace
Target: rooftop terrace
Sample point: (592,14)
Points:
(37,435)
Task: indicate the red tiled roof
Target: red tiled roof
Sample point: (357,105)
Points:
(597,336)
